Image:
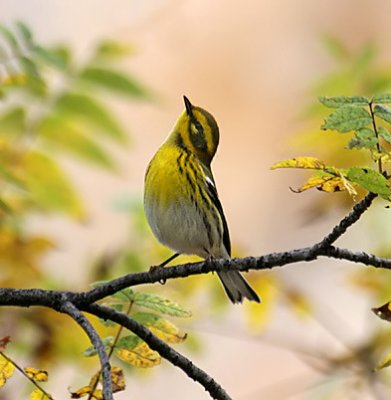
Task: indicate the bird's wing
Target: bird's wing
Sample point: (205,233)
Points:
(212,191)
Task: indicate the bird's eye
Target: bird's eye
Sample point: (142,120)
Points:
(196,128)
(197,135)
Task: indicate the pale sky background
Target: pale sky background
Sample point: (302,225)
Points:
(251,64)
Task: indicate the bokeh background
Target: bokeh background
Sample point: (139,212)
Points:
(258,67)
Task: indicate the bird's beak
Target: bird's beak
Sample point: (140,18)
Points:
(188,106)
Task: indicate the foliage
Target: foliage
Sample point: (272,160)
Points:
(359,115)
(52,107)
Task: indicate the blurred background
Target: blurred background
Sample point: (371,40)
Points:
(84,105)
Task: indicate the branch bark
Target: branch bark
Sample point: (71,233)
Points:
(73,303)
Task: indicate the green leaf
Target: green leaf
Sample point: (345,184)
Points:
(125,295)
(62,134)
(109,49)
(113,80)
(58,57)
(383,112)
(13,121)
(30,68)
(163,305)
(9,38)
(92,111)
(383,132)
(364,138)
(48,186)
(347,118)
(382,98)
(371,180)
(91,351)
(25,32)
(339,101)
(128,342)
(335,47)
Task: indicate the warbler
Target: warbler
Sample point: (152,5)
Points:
(180,197)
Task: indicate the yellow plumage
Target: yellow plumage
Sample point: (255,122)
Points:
(181,201)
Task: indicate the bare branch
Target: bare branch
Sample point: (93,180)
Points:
(187,366)
(77,315)
(347,221)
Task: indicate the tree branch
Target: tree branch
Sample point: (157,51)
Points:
(187,366)
(72,303)
(68,308)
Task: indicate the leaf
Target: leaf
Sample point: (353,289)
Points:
(62,134)
(338,184)
(13,121)
(4,342)
(25,32)
(86,390)
(347,118)
(117,379)
(113,80)
(386,362)
(48,186)
(38,394)
(325,183)
(339,101)
(10,38)
(141,356)
(7,368)
(335,47)
(58,57)
(37,375)
(383,112)
(300,162)
(158,303)
(112,50)
(93,112)
(125,295)
(91,351)
(370,180)
(384,98)
(383,132)
(364,138)
(162,328)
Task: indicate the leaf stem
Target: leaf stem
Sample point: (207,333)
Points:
(379,161)
(21,370)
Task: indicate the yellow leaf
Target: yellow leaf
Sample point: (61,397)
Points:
(167,331)
(6,369)
(141,356)
(386,362)
(117,379)
(313,181)
(38,394)
(86,390)
(37,375)
(301,162)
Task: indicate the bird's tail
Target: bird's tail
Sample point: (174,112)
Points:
(236,287)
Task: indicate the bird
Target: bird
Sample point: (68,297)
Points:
(181,202)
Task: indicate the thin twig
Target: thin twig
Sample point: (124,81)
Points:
(197,374)
(347,221)
(379,162)
(22,371)
(68,308)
